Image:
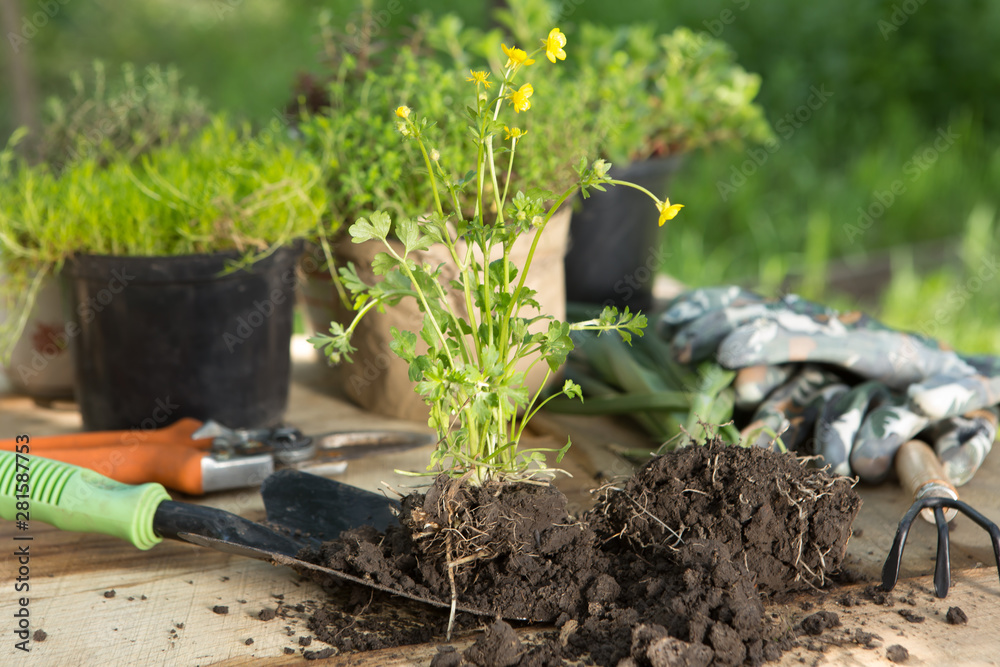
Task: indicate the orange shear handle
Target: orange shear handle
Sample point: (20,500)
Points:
(168,455)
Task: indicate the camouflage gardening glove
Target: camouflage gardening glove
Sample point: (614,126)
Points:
(915,385)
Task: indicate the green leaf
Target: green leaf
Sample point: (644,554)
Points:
(383,263)
(374,228)
(408,231)
(571,389)
(556,345)
(404,344)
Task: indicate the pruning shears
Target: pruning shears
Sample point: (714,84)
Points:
(197,457)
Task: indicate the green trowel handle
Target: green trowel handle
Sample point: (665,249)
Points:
(69,497)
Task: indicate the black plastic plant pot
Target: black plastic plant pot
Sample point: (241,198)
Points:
(614,239)
(160,338)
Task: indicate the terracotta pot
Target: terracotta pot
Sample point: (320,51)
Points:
(377,379)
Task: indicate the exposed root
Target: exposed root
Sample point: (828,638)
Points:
(803,496)
(638,523)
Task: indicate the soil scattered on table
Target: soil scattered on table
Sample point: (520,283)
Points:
(815,624)
(897,653)
(220,609)
(266,614)
(956,616)
(109,594)
(910,616)
(319,655)
(683,550)
(40,635)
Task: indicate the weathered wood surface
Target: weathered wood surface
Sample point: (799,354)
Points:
(70,572)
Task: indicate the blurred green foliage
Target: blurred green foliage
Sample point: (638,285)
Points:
(858,93)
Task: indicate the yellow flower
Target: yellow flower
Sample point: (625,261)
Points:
(554,45)
(516,56)
(519,98)
(480,76)
(668,211)
(513,133)
(403,112)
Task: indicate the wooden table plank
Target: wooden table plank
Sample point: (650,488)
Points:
(70,571)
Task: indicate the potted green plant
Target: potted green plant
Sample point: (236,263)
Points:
(374,166)
(102,117)
(179,271)
(662,97)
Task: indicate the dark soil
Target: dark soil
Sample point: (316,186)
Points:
(668,568)
(897,653)
(956,616)
(820,621)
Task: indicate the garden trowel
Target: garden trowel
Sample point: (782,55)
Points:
(303,510)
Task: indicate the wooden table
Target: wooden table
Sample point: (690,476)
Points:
(161,612)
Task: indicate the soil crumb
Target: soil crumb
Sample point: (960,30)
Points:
(822,620)
(671,566)
(497,647)
(110,594)
(910,616)
(897,653)
(40,635)
(956,616)
(266,614)
(220,609)
(319,655)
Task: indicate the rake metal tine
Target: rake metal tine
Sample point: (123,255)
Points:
(942,566)
(890,570)
(984,523)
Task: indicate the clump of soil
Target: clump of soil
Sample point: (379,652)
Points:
(897,653)
(682,550)
(816,623)
(956,616)
(790,524)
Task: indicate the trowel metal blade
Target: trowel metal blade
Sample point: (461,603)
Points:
(276,558)
(320,509)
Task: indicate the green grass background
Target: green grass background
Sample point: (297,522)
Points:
(898,74)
